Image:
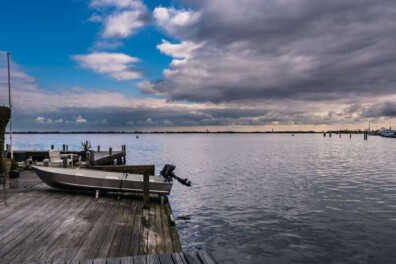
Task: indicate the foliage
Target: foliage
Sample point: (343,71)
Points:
(5,115)
(86,146)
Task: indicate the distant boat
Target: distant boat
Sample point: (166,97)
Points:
(388,133)
(137,136)
(84,179)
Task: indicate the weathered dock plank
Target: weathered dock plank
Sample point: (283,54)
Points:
(42,224)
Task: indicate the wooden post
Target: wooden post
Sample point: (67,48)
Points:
(350,135)
(110,151)
(52,147)
(324,134)
(340,135)
(98,148)
(96,194)
(64,162)
(329,134)
(64,147)
(146,190)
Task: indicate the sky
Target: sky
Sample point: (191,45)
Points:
(192,65)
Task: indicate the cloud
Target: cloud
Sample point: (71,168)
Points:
(303,51)
(173,20)
(120,18)
(40,119)
(184,50)
(122,24)
(80,120)
(119,66)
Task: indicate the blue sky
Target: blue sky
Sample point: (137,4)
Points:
(247,65)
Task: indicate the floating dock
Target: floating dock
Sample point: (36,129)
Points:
(42,224)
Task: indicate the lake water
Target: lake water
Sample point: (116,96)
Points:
(268,198)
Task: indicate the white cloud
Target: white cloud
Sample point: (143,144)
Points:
(40,119)
(116,65)
(173,20)
(80,120)
(184,50)
(59,121)
(123,24)
(116,3)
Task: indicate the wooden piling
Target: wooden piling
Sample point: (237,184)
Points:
(329,134)
(98,148)
(350,135)
(110,151)
(64,162)
(52,147)
(340,135)
(64,147)
(146,193)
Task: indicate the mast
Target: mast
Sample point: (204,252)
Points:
(9,102)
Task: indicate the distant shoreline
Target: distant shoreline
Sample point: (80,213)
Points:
(184,132)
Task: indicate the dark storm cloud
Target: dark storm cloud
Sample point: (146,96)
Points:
(302,50)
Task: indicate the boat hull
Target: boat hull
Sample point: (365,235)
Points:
(73,179)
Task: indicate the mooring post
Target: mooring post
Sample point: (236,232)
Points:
(146,190)
(340,135)
(98,148)
(64,159)
(64,147)
(67,147)
(324,134)
(52,147)
(110,151)
(96,194)
(350,135)
(329,134)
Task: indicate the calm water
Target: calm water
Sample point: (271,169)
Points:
(272,198)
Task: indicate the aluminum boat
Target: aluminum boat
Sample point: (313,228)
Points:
(85,179)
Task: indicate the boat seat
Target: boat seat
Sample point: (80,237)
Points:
(55,158)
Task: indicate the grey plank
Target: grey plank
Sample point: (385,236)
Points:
(115,244)
(16,244)
(127,230)
(166,259)
(192,257)
(166,228)
(99,261)
(91,240)
(151,235)
(113,261)
(206,257)
(53,228)
(126,260)
(104,249)
(136,233)
(173,231)
(87,261)
(179,258)
(159,232)
(152,259)
(139,259)
(70,240)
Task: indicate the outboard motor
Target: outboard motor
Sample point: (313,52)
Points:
(167,173)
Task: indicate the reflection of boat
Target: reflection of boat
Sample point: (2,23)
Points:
(65,178)
(388,133)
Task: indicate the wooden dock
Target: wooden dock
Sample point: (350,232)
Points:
(42,224)
(174,258)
